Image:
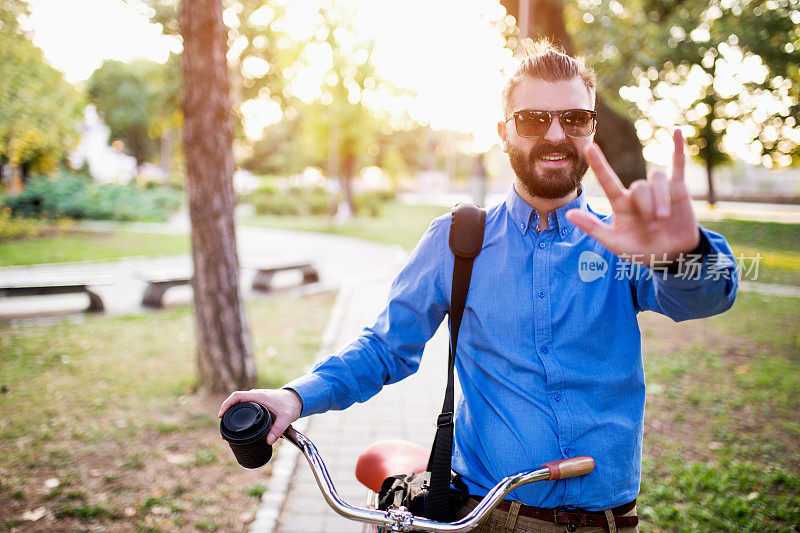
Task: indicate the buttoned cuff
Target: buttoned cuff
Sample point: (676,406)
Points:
(314,391)
(701,250)
(706,262)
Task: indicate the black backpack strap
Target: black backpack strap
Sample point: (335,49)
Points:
(467,225)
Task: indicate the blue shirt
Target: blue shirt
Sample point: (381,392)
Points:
(549,354)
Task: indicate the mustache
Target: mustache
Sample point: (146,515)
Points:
(548,148)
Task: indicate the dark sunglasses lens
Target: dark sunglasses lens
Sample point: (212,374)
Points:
(532,123)
(577,123)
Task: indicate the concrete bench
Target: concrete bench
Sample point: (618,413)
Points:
(265,273)
(48,286)
(159,282)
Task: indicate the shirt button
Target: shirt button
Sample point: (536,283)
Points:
(568,452)
(543,349)
(542,245)
(564,231)
(540,294)
(557,397)
(522,226)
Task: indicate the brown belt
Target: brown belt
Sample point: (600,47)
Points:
(575,517)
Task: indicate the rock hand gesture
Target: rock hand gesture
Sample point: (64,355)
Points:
(653,219)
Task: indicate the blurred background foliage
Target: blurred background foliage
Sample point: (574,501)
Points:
(720,67)
(39,110)
(76,196)
(725,70)
(140,102)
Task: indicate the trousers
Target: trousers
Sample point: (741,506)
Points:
(500,521)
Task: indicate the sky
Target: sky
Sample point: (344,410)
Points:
(451,57)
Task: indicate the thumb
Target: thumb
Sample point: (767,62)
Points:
(278,427)
(590,224)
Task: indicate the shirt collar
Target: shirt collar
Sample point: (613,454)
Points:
(524,215)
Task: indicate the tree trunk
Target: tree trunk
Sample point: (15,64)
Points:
(333,164)
(347,173)
(712,197)
(165,146)
(17,185)
(224,351)
(615,133)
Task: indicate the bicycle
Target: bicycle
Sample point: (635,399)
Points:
(386,458)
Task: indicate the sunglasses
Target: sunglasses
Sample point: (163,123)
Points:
(536,122)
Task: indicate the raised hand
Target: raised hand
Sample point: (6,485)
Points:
(653,220)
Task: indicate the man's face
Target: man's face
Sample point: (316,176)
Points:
(551,166)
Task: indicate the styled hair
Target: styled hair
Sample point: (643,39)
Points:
(544,60)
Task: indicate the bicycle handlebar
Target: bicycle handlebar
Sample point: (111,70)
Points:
(400,520)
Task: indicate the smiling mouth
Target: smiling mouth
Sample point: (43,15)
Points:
(553,157)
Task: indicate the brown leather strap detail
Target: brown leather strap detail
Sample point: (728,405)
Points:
(576,516)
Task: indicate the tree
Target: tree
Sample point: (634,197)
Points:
(343,121)
(224,350)
(615,133)
(279,151)
(140,103)
(40,111)
(259,49)
(728,71)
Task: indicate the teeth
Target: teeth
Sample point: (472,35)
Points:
(553,157)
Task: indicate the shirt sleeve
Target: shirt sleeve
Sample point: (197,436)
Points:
(704,285)
(391,348)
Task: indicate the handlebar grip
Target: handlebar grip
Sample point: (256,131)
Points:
(574,466)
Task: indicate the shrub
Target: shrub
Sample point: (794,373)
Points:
(371,202)
(18,228)
(269,200)
(78,197)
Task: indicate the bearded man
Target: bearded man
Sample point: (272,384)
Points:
(549,352)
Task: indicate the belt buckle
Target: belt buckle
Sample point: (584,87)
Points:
(565,517)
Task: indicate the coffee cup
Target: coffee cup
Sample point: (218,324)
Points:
(245,426)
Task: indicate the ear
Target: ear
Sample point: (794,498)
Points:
(503,133)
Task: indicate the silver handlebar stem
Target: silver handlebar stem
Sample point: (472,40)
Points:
(400,519)
(323,478)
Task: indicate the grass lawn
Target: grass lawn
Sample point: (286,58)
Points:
(397,224)
(778,244)
(88,246)
(102,426)
(721,428)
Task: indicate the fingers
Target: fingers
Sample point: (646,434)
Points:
(279,425)
(652,198)
(592,226)
(678,156)
(240,396)
(605,174)
(661,197)
(643,198)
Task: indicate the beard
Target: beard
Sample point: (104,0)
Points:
(550,183)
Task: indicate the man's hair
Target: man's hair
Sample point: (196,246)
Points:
(546,61)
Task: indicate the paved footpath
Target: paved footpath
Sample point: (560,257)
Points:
(338,259)
(405,410)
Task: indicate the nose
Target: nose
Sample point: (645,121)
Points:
(555,133)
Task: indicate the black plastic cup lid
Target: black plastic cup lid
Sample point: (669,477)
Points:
(245,423)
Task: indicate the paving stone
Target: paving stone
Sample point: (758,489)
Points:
(405,410)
